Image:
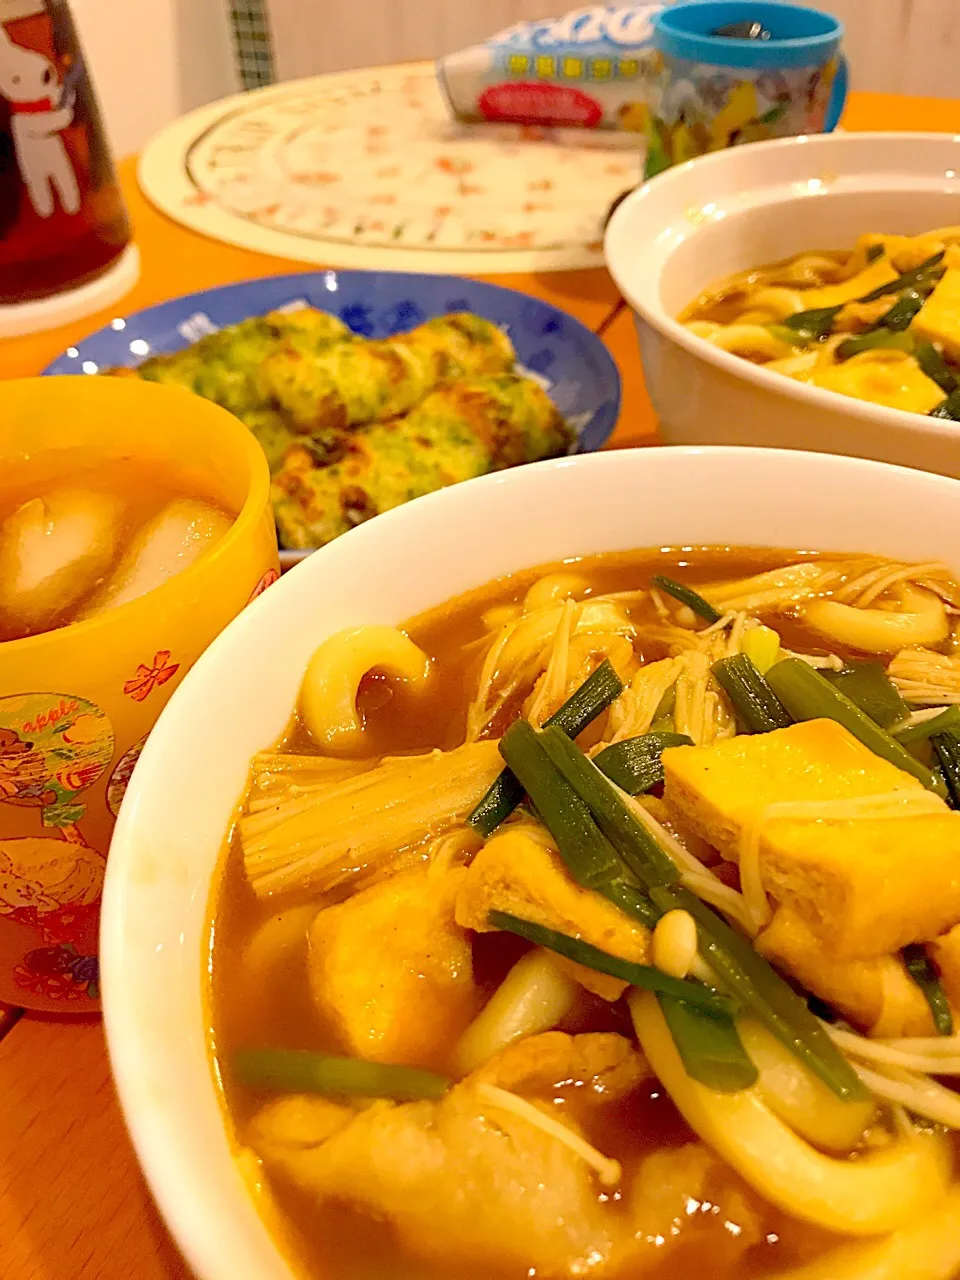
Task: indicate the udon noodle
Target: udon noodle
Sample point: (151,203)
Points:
(606,922)
(880,322)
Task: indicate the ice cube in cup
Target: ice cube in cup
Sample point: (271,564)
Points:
(175,538)
(53,550)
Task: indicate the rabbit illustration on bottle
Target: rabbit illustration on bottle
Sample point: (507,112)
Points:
(41,108)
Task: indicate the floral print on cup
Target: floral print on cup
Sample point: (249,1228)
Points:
(693,108)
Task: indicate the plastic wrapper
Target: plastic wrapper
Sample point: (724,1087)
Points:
(585,70)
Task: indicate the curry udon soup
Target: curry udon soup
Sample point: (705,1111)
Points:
(880,322)
(78,536)
(604,922)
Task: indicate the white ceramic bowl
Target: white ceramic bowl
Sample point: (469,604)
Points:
(239,696)
(755,204)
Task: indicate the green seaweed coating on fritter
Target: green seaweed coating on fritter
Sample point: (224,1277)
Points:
(362,382)
(461,430)
(222,366)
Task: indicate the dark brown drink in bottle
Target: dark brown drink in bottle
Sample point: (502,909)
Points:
(62,217)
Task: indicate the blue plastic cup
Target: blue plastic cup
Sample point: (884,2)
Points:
(707,92)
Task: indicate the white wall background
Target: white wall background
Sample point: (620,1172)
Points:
(894,46)
(152,60)
(155,59)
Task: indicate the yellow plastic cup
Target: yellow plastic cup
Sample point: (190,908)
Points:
(76,704)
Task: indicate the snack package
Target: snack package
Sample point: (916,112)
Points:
(583,70)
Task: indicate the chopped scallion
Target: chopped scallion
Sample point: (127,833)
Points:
(702,608)
(928,270)
(869,686)
(636,764)
(947,747)
(754,702)
(921,969)
(949,718)
(934,366)
(587,853)
(596,693)
(948,408)
(875,340)
(303,1071)
(646,976)
(903,311)
(762,647)
(815,324)
(709,1046)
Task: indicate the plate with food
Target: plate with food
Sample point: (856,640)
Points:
(578,899)
(803,293)
(368,389)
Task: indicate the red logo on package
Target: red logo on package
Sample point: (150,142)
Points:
(550,104)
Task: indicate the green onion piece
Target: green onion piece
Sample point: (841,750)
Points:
(663,721)
(625,832)
(759,987)
(876,339)
(949,718)
(874,252)
(631,900)
(869,686)
(596,693)
(934,366)
(303,1071)
(790,336)
(948,408)
(762,646)
(755,703)
(808,696)
(815,324)
(645,976)
(927,271)
(741,970)
(587,853)
(947,747)
(702,608)
(636,764)
(921,969)
(709,1046)
(903,310)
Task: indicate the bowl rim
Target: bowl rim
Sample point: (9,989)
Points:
(156,1138)
(617,242)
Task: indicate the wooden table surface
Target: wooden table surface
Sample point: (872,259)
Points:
(73,1205)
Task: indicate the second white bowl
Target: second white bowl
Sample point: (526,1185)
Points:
(756,204)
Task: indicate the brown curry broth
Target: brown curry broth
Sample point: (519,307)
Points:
(724,305)
(336,1242)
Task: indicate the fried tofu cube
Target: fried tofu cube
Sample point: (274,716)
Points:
(877,995)
(720,789)
(865,885)
(938,320)
(391,969)
(518,873)
(467,1185)
(876,273)
(897,382)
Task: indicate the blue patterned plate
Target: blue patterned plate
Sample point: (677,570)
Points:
(571,363)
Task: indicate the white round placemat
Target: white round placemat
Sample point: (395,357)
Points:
(367,169)
(20,318)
